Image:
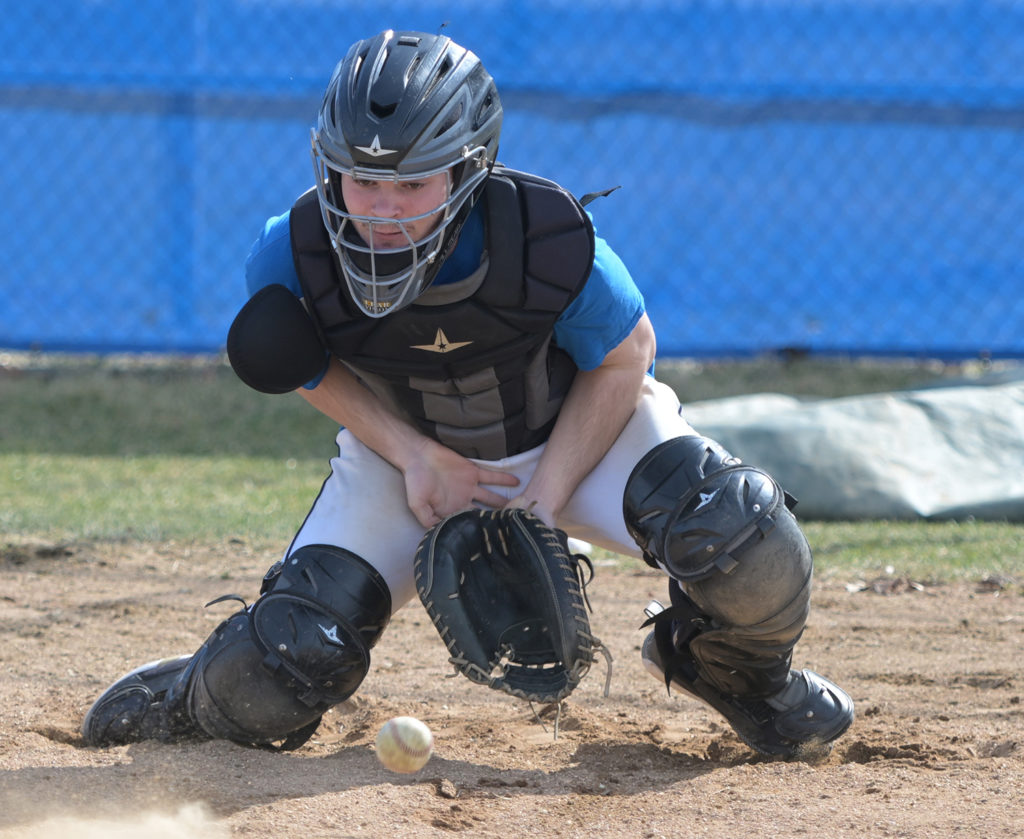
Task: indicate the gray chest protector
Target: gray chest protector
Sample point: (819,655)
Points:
(472,364)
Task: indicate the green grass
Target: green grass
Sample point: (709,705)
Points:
(180,449)
(198,408)
(156,497)
(811,376)
(927,552)
(168,450)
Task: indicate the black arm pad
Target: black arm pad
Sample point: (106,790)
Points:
(273,344)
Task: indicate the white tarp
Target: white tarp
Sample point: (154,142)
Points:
(942,453)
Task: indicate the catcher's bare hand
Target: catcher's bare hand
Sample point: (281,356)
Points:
(439,482)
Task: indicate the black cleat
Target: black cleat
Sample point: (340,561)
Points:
(132,709)
(800,721)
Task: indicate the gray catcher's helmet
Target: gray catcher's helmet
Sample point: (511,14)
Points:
(403,106)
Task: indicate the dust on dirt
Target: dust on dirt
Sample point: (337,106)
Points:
(937,749)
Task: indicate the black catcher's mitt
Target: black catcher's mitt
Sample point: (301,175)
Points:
(508,600)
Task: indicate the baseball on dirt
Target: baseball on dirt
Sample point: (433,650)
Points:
(404,744)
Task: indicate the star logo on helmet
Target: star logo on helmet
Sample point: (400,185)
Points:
(441,344)
(374,149)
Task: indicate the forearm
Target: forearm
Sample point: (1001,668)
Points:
(344,399)
(596,409)
(595,412)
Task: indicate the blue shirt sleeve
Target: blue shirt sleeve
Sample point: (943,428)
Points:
(270,261)
(603,314)
(270,258)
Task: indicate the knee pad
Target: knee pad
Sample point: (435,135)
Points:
(692,507)
(273,668)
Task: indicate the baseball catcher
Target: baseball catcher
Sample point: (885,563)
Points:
(479,347)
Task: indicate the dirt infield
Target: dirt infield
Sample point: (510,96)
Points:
(937,749)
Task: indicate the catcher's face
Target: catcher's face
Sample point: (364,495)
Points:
(390,215)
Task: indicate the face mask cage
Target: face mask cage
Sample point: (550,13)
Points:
(383,280)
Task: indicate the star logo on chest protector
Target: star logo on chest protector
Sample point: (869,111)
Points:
(441,344)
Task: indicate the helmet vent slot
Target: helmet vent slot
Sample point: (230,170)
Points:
(484,111)
(442,71)
(451,121)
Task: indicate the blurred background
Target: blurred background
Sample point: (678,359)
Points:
(798,176)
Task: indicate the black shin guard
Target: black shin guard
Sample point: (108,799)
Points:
(756,614)
(740,572)
(270,671)
(724,534)
(800,719)
(748,661)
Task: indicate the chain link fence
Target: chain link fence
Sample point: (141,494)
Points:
(830,176)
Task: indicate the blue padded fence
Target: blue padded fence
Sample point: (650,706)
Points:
(835,176)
